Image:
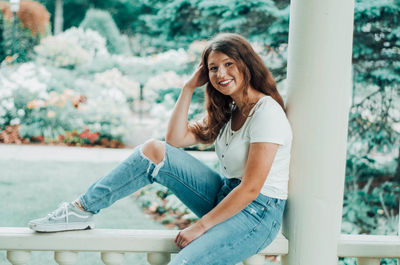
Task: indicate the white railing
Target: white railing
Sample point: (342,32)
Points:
(112,243)
(159,245)
(369,249)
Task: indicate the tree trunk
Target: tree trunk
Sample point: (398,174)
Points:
(58,17)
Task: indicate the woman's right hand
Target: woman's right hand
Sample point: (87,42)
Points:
(198,78)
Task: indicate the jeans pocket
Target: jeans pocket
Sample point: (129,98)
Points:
(255,212)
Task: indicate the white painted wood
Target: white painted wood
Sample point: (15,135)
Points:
(319,83)
(255,260)
(18,257)
(372,246)
(112,258)
(108,240)
(158,258)
(368,261)
(65,257)
(58,17)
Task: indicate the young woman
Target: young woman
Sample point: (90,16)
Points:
(241,209)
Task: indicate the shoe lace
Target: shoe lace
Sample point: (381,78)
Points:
(62,208)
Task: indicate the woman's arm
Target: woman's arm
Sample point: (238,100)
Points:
(178,133)
(258,165)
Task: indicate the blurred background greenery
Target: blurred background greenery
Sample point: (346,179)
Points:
(106,72)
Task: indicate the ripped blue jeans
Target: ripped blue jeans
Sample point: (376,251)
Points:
(200,189)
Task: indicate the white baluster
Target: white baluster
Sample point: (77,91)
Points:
(368,261)
(112,258)
(18,257)
(65,257)
(255,260)
(158,258)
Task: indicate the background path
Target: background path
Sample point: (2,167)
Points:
(76,154)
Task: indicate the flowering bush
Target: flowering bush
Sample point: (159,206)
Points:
(115,82)
(97,92)
(102,22)
(29,98)
(59,51)
(138,68)
(71,48)
(89,40)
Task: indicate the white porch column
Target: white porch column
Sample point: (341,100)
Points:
(319,80)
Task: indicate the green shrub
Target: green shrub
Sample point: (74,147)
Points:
(102,22)
(24,40)
(371,196)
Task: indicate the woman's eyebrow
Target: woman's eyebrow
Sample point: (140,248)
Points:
(222,60)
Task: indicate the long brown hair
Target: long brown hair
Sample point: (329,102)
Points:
(219,106)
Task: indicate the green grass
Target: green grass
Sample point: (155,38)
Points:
(33,189)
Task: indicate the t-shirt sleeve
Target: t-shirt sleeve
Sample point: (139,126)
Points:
(269,124)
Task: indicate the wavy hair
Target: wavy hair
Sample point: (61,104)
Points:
(219,107)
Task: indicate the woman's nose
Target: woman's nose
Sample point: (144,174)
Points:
(221,72)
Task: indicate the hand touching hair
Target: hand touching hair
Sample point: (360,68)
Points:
(219,107)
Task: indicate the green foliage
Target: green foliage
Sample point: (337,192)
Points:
(376,61)
(24,40)
(102,22)
(180,22)
(371,196)
(371,191)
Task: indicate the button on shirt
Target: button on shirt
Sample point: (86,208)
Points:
(267,122)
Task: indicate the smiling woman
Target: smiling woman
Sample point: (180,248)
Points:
(224,74)
(241,209)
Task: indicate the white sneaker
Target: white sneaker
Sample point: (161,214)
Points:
(65,218)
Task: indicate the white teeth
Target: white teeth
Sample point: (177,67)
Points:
(225,82)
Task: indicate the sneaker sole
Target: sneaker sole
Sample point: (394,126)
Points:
(60,227)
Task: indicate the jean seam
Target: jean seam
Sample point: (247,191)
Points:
(115,190)
(267,238)
(193,190)
(269,234)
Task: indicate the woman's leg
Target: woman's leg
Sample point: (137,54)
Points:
(237,238)
(191,181)
(195,184)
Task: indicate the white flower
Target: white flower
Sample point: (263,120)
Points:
(21,112)
(2,111)
(8,104)
(91,41)
(15,121)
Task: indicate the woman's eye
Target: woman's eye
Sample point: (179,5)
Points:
(228,63)
(213,68)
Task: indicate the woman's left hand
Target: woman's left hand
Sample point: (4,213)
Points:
(189,234)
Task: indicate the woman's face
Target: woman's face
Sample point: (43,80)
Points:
(224,74)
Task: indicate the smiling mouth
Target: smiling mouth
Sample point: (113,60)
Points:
(225,83)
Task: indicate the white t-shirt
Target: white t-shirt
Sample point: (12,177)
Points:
(267,123)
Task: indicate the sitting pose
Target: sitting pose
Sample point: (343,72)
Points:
(240,209)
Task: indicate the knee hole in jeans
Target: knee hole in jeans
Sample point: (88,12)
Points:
(154,150)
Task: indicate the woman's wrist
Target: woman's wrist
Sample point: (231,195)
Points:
(189,87)
(203,225)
